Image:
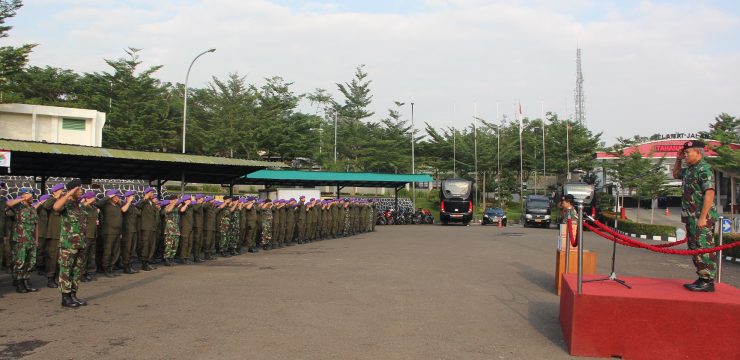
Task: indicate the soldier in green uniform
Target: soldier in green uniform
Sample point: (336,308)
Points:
(251,222)
(111,212)
(698,212)
(346,218)
(148,228)
(300,220)
(130,233)
(186,231)
(50,248)
(24,240)
(277,216)
(266,210)
(242,240)
(41,234)
(209,228)
(91,232)
(290,215)
(198,223)
(73,216)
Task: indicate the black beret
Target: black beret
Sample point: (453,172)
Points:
(73,184)
(693,144)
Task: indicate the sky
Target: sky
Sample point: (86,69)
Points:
(648,66)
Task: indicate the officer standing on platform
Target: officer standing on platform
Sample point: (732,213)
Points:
(698,212)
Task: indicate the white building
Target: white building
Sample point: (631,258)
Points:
(51,124)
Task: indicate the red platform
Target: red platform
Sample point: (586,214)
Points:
(656,319)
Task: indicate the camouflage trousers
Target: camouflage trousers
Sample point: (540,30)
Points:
(702,238)
(347,226)
(24,259)
(234,232)
(224,239)
(171,241)
(71,265)
(266,232)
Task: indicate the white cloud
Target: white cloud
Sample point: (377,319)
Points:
(652,67)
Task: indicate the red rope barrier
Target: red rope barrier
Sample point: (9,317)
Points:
(571,236)
(624,240)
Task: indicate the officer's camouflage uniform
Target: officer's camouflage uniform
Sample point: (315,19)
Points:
(71,246)
(347,221)
(24,241)
(235,217)
(697,179)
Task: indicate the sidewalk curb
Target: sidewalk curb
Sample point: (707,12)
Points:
(656,238)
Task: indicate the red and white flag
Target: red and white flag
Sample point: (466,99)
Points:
(520,114)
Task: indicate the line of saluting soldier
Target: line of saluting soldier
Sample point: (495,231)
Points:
(70,233)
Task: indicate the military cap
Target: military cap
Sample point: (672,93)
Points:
(164,202)
(88,195)
(148,190)
(694,144)
(198,196)
(302,197)
(44,197)
(26,190)
(57,187)
(129,193)
(208,198)
(112,192)
(73,184)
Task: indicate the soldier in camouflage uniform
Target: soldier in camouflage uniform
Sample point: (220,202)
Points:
(73,217)
(24,241)
(266,210)
(346,226)
(698,212)
(50,248)
(171,229)
(224,227)
(234,227)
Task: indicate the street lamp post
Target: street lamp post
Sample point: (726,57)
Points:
(185,97)
(413,157)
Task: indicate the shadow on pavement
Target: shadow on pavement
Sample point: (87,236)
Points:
(537,277)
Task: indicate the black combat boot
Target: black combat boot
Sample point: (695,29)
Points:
(109,272)
(68,302)
(702,285)
(167,262)
(80,302)
(19,288)
(51,283)
(197,259)
(28,286)
(145,266)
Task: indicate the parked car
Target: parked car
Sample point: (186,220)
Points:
(494,216)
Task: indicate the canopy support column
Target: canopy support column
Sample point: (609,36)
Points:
(41,180)
(339,189)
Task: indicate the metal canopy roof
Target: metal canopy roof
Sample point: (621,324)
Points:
(29,158)
(325,178)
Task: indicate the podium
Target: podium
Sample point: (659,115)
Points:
(589,265)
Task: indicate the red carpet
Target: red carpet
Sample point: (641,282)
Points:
(656,319)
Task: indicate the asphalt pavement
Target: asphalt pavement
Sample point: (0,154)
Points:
(402,292)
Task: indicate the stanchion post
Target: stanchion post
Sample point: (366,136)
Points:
(719,254)
(580,247)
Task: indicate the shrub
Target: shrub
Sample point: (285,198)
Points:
(632,227)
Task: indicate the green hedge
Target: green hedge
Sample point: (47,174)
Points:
(632,227)
(728,239)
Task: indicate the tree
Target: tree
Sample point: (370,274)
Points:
(356,96)
(12,59)
(725,130)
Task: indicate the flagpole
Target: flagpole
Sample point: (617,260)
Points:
(544,152)
(498,155)
(454,142)
(475,154)
(521,156)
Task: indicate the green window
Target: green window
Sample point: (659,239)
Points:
(73,124)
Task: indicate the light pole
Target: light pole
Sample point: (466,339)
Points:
(185,97)
(413,157)
(335,137)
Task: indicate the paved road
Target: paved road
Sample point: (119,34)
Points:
(403,292)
